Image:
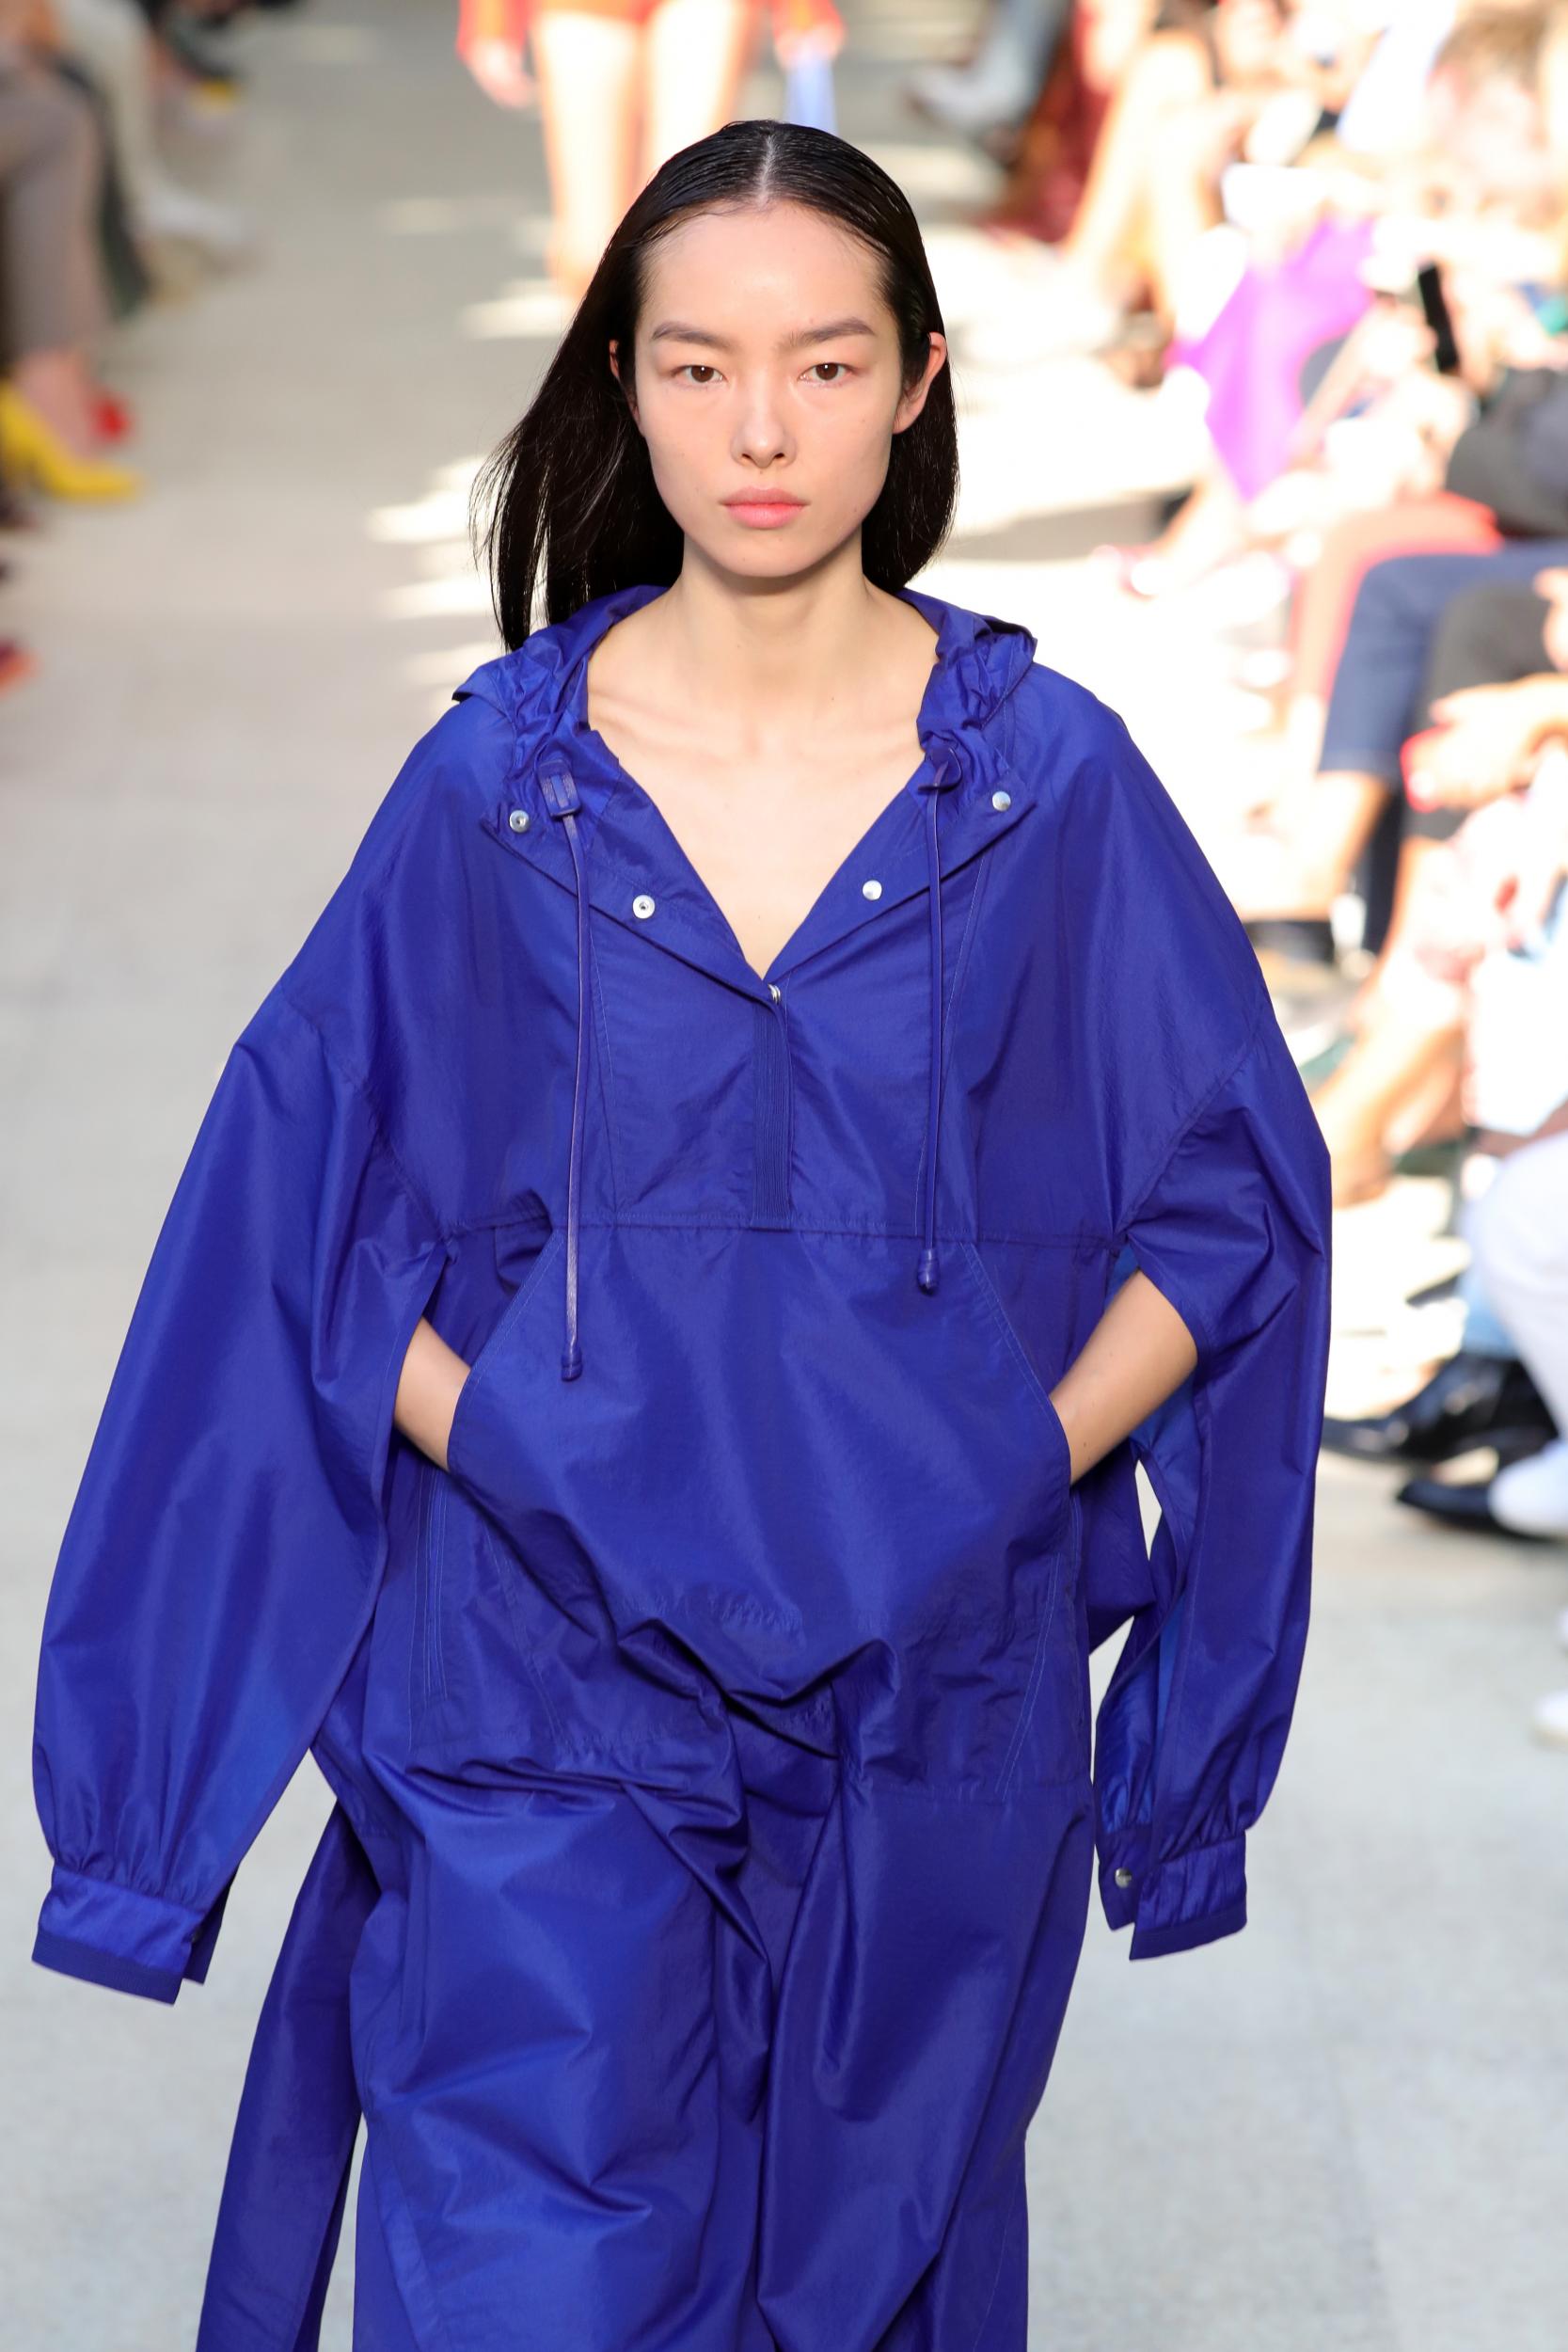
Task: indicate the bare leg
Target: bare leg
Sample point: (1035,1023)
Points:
(1386,982)
(590,75)
(1182,204)
(1411,1049)
(1205,531)
(694,57)
(1169,73)
(1301,865)
(56,384)
(1402,1072)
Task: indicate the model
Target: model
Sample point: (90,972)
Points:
(645,1385)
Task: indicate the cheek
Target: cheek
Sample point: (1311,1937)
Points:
(848,449)
(686,453)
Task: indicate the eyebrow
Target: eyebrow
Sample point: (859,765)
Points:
(677,331)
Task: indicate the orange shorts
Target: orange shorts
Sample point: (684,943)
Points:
(617,11)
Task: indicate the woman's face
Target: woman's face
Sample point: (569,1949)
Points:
(768,369)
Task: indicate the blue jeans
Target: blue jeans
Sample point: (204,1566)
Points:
(1377,697)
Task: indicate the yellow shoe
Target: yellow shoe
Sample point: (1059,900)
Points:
(32,451)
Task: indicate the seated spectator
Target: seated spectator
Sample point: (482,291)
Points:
(1319,400)
(50,271)
(1490,922)
(993,89)
(1205,85)
(114,42)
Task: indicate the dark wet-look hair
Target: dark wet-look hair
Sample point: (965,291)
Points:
(569,494)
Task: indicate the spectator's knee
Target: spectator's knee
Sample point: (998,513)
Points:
(61,121)
(1519,1228)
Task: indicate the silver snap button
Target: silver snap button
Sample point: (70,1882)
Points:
(519,820)
(773,990)
(1000,799)
(1124,1878)
(642,904)
(871,889)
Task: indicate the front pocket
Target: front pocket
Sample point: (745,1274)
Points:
(480,1692)
(787,1477)
(1056,1435)
(482,1365)
(434,1487)
(515,1687)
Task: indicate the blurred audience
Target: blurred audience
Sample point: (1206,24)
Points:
(90,212)
(1338,230)
(622,84)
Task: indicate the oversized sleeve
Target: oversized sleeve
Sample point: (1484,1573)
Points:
(221,1559)
(1228,1216)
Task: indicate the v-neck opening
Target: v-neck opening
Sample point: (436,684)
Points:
(644,799)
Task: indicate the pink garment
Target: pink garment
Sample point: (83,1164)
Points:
(1252,355)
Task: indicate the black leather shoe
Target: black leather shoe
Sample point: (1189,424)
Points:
(1460,1503)
(1471,1400)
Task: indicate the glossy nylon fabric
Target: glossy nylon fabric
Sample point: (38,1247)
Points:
(716,1816)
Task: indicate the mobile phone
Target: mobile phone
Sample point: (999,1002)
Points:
(1435,308)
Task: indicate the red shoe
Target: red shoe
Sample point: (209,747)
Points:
(111,416)
(16,663)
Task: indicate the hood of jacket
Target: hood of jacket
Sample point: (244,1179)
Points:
(977,662)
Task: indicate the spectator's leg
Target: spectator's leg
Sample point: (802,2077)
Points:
(1001,81)
(1374,706)
(1409,1053)
(1412,1025)
(49,165)
(1325,591)
(113,40)
(1521,1241)
(1183,203)
(1320,617)
(1168,74)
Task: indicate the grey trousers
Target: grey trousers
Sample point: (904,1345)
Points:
(51,291)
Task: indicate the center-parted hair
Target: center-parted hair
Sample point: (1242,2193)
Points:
(567,502)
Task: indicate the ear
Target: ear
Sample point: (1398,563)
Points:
(913,401)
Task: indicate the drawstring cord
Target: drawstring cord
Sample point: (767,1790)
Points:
(561,794)
(945,770)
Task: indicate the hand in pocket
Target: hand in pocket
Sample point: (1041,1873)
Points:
(432,1380)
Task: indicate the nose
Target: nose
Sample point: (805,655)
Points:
(761,434)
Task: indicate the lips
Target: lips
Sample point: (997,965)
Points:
(764,514)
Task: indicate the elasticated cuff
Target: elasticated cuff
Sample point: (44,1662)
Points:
(1192,1899)
(113,1935)
(1123,1857)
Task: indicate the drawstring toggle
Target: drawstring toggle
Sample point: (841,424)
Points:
(562,796)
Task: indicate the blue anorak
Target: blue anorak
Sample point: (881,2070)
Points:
(716,1821)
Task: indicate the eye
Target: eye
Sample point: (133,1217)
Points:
(842,364)
(705,364)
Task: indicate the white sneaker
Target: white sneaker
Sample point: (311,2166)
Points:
(1549,1719)
(169,210)
(1532,1497)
